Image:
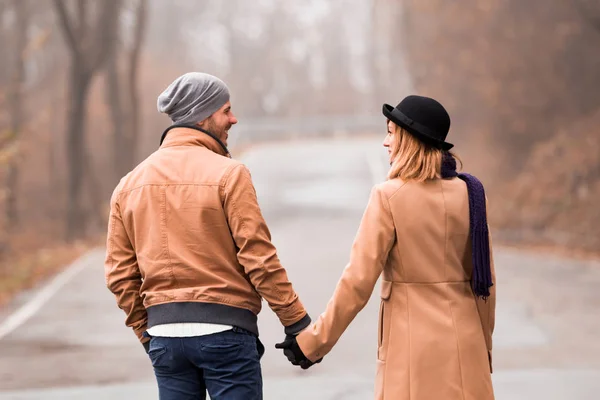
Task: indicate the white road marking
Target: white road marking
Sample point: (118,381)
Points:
(28,310)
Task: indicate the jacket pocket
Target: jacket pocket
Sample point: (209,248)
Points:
(384,320)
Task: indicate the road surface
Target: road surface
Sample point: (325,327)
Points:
(66,340)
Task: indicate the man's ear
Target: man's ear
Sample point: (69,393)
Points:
(204,122)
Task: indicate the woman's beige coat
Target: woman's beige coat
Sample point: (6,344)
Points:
(435,337)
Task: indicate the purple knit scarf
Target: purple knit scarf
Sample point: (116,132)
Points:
(481,279)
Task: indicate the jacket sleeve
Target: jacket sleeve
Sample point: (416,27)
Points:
(256,254)
(487,309)
(122,274)
(370,250)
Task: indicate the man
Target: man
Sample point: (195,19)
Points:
(189,255)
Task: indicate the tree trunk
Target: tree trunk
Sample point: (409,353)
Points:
(12,181)
(54,182)
(80,85)
(15,107)
(115,106)
(134,130)
(96,212)
(3,40)
(590,12)
(88,54)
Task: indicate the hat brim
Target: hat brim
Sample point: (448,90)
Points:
(440,144)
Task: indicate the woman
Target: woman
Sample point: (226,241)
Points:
(425,229)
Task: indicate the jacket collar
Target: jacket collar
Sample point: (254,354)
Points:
(192,136)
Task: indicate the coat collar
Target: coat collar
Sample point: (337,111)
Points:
(193,136)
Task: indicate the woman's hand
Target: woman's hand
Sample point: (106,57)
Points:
(294,353)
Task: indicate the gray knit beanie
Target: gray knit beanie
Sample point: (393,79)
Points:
(193,97)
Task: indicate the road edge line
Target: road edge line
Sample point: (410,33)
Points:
(31,307)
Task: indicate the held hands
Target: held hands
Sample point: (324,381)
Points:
(294,354)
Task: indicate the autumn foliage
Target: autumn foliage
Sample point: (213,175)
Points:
(520,79)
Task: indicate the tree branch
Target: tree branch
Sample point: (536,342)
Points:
(2,36)
(82,19)
(138,36)
(589,13)
(2,6)
(106,33)
(18,70)
(138,39)
(67,27)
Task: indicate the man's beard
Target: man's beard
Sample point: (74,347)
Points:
(218,132)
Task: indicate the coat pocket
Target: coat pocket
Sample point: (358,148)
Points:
(386,289)
(384,320)
(380,326)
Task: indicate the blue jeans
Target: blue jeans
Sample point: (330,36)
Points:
(226,364)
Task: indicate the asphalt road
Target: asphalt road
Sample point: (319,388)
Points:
(67,340)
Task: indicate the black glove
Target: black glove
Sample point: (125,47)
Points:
(146,346)
(293,352)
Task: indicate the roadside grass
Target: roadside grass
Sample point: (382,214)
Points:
(29,264)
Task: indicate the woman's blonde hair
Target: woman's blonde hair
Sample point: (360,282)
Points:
(412,159)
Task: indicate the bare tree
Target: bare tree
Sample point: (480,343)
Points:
(2,36)
(122,94)
(141,18)
(115,104)
(15,106)
(386,34)
(3,129)
(590,12)
(89,47)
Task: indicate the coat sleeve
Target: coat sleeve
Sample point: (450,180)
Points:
(487,309)
(122,273)
(256,254)
(370,250)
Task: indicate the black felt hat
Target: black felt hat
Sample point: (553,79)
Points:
(423,117)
